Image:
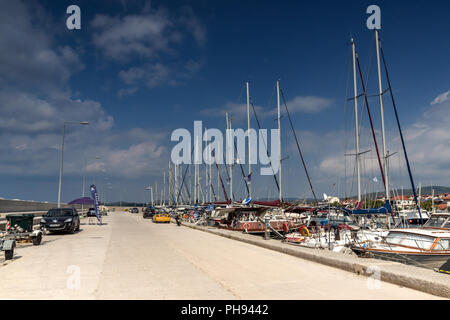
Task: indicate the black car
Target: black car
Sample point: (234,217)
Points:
(134,210)
(149,212)
(62,219)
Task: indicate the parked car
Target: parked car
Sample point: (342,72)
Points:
(162,217)
(91,212)
(149,212)
(134,210)
(61,219)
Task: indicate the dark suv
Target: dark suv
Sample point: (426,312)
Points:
(149,212)
(62,219)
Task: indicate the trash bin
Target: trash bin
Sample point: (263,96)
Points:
(24,221)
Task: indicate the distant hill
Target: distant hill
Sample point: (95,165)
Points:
(406,192)
(409,192)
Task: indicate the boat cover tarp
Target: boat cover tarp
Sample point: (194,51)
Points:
(386,209)
(276,203)
(300,209)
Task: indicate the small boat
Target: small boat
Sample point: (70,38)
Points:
(427,247)
(252,219)
(412,218)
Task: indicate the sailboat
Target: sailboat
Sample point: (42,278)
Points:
(428,246)
(346,229)
(251,216)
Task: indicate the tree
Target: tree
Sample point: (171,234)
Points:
(427,205)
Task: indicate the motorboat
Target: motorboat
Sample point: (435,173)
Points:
(428,246)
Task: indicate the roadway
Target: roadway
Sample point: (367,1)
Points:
(133,258)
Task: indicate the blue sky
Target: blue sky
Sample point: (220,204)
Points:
(138,70)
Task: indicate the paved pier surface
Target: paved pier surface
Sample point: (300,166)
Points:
(133,258)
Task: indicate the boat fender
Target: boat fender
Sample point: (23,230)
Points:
(285,227)
(304,231)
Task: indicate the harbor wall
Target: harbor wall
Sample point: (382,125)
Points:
(10,206)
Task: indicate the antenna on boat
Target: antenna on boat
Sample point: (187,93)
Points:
(279,140)
(230,157)
(249,137)
(383,134)
(355,88)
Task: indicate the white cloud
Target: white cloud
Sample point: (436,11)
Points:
(35,100)
(28,57)
(300,104)
(236,111)
(441,98)
(151,33)
(309,104)
(152,75)
(154,36)
(144,35)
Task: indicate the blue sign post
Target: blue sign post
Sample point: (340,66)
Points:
(95,197)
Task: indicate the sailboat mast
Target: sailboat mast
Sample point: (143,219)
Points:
(210,183)
(151,189)
(195,175)
(218,180)
(355,87)
(164,195)
(420,194)
(176,183)
(248,140)
(279,139)
(156,191)
(229,144)
(432,201)
(170,184)
(380,92)
(403,200)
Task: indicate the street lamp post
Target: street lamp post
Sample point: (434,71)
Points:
(84,182)
(62,156)
(95,174)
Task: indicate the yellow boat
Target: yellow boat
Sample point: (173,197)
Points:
(161,217)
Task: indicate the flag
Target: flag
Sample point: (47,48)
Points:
(95,197)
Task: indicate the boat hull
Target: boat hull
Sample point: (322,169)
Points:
(257,227)
(424,260)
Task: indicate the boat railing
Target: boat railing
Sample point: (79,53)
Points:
(418,246)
